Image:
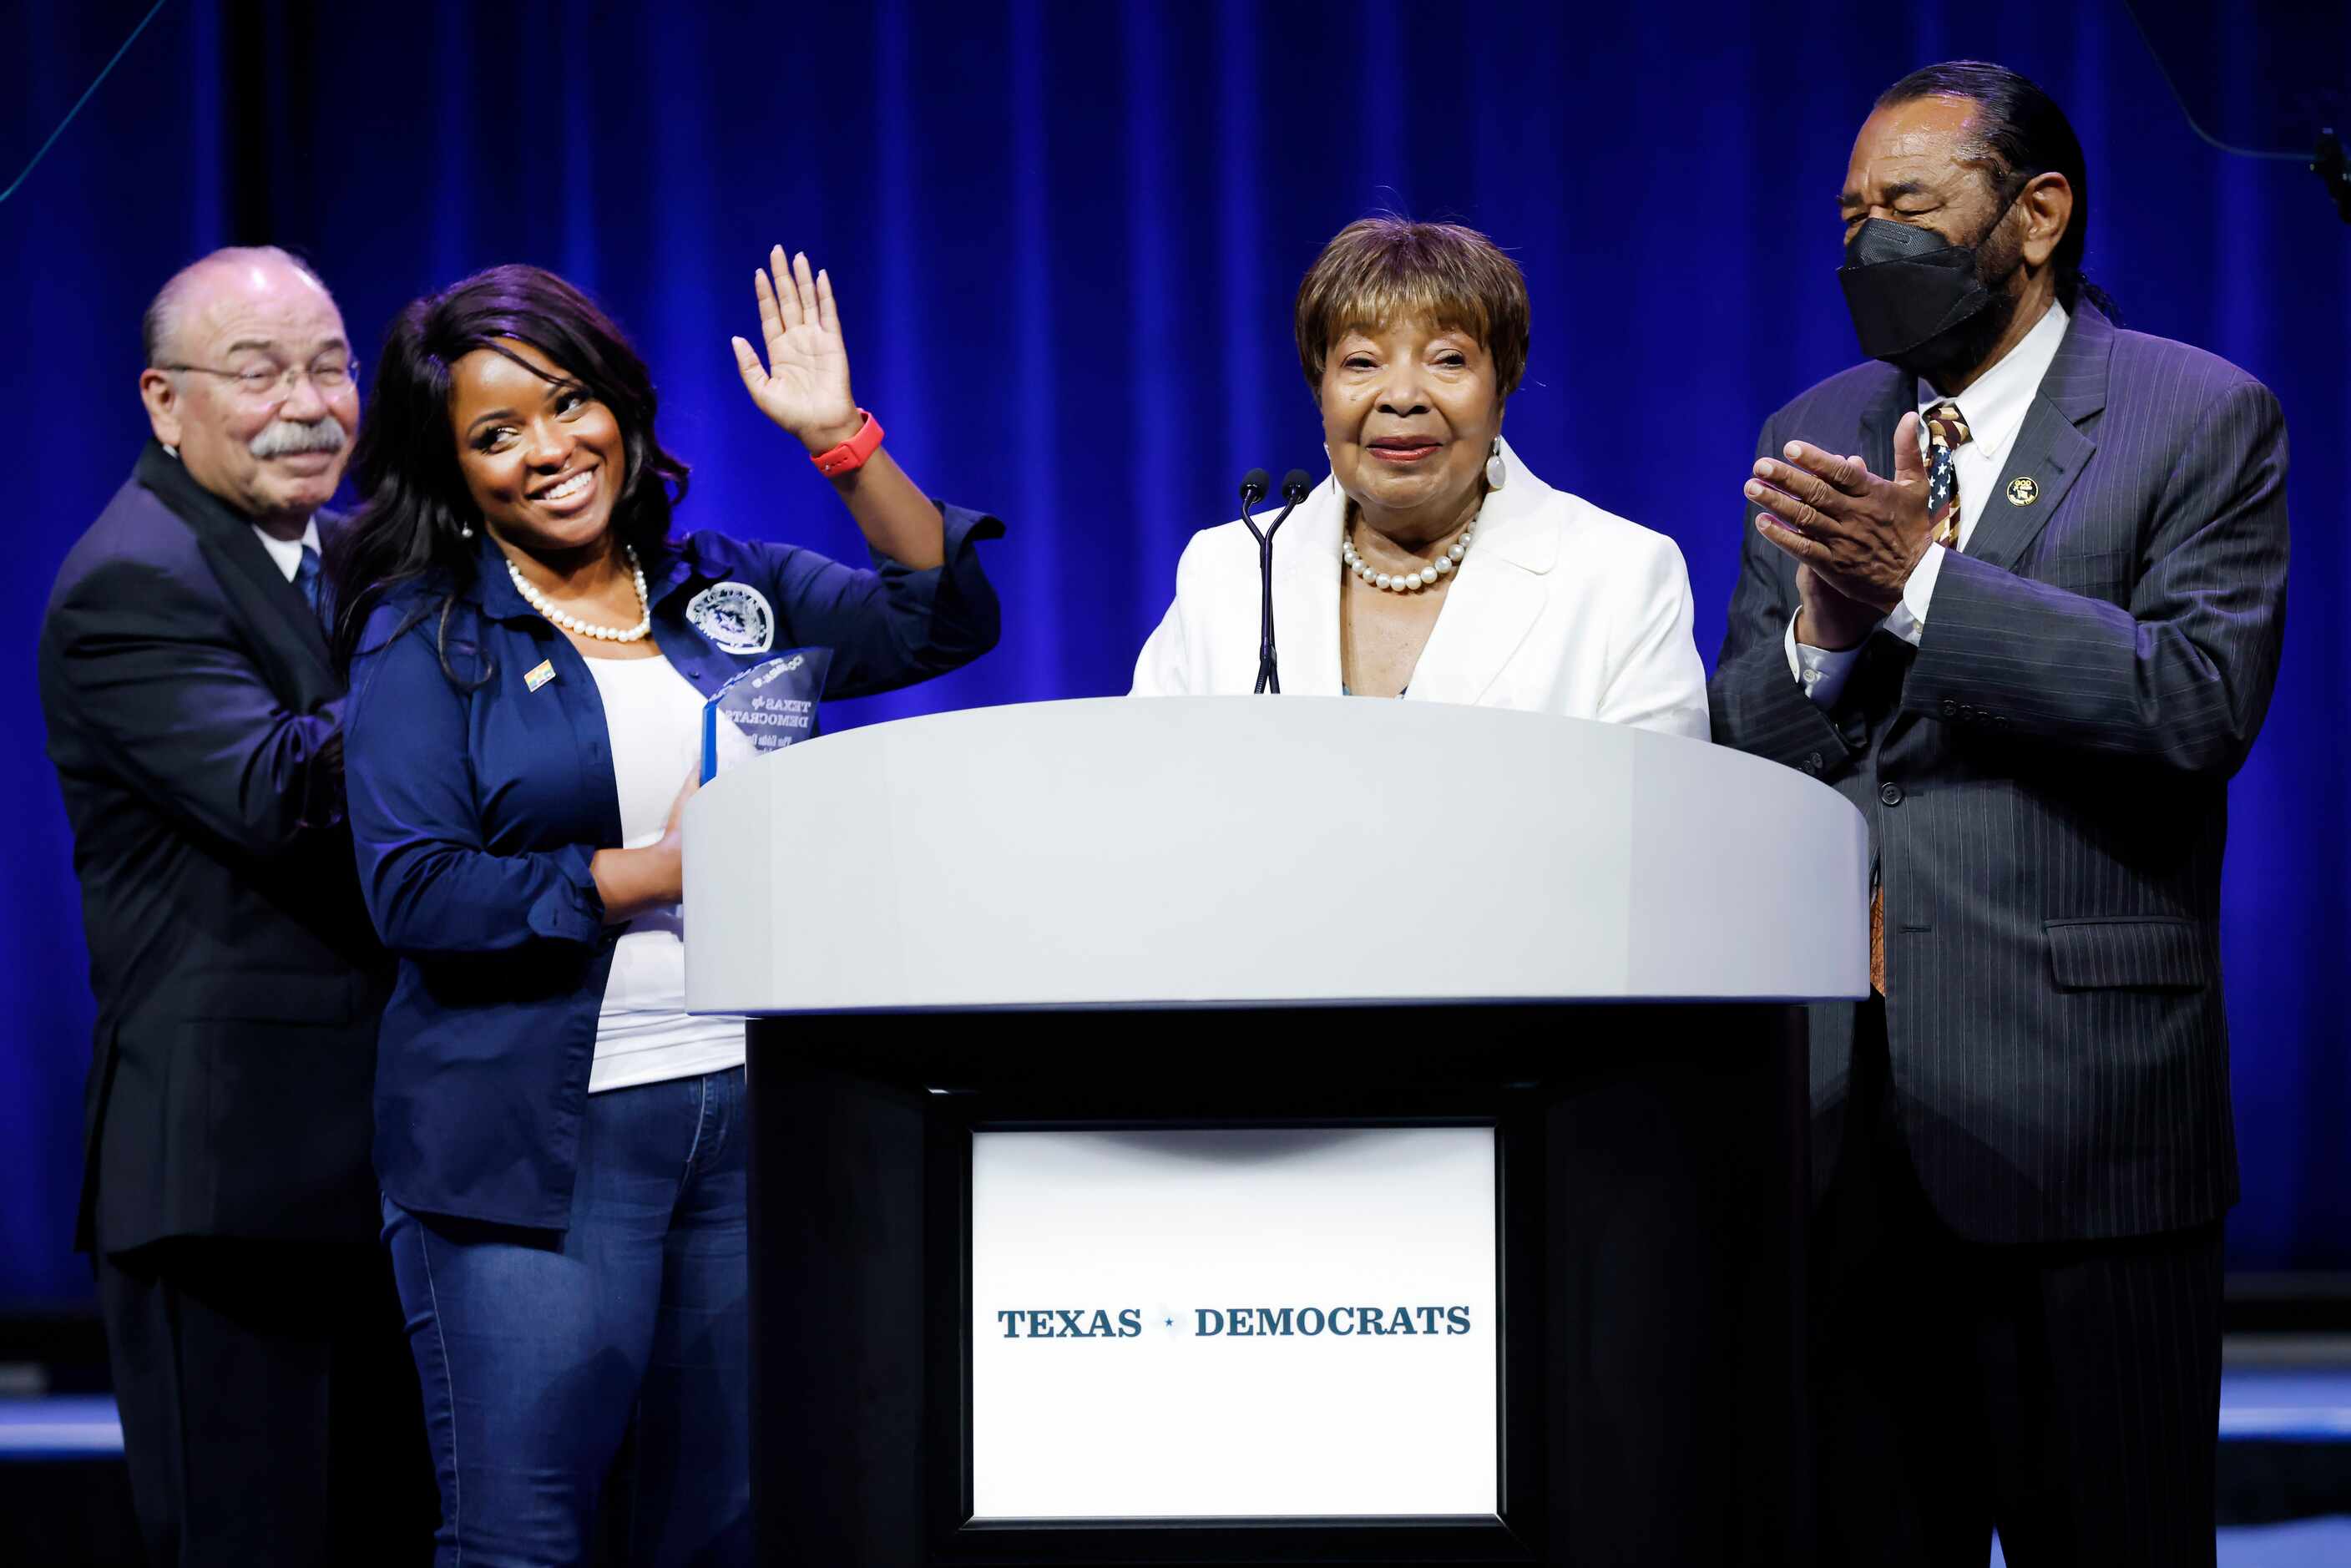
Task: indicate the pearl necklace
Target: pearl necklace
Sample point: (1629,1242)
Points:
(1407,582)
(538,601)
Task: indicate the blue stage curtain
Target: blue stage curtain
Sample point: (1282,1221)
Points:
(1065,238)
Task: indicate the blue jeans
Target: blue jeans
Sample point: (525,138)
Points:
(539,1354)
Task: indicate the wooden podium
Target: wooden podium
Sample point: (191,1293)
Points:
(1296,912)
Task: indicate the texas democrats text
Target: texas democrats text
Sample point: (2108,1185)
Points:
(1240,1323)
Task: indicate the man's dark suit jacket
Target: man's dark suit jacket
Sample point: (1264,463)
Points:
(192,716)
(2046,782)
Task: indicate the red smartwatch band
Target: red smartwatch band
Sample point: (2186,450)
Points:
(851,454)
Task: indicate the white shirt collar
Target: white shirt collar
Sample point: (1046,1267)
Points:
(1996,404)
(287,553)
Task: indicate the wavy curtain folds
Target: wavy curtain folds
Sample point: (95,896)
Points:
(1065,238)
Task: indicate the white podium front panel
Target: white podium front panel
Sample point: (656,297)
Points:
(1223,1323)
(1187,850)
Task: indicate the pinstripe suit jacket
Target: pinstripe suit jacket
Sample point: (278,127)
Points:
(2046,781)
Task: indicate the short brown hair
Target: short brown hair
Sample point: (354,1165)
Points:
(1380,270)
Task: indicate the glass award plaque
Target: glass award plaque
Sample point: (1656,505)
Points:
(766,707)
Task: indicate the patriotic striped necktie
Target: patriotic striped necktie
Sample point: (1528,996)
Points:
(1947,431)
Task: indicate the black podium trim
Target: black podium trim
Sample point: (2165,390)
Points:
(1652,1193)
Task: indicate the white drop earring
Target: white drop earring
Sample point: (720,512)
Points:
(465,530)
(1496,471)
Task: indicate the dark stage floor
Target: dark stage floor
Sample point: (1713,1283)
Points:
(2284,1466)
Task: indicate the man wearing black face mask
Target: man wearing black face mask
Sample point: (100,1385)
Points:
(2017,593)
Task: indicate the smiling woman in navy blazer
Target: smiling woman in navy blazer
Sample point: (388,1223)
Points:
(561,1146)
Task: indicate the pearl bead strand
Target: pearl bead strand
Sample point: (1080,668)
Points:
(1407,582)
(636,634)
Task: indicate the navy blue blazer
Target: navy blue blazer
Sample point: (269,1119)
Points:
(474,814)
(192,712)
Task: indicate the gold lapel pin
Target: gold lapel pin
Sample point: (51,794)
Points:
(2023,491)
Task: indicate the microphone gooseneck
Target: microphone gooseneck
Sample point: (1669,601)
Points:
(1255,484)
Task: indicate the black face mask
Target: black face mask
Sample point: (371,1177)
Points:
(1921,302)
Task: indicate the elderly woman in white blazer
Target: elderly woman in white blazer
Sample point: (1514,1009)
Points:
(1431,564)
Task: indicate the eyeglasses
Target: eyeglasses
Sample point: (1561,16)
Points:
(266,384)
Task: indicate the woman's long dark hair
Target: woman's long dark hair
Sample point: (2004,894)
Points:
(415,506)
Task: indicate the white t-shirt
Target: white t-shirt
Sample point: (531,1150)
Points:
(644,1035)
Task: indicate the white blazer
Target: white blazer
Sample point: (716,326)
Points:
(1557,608)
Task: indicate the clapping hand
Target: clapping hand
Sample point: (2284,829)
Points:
(1859,536)
(805,384)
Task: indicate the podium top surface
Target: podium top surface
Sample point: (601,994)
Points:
(1201,851)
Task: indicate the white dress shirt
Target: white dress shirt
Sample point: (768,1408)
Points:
(287,553)
(1994,408)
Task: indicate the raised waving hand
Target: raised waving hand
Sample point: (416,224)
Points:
(804,385)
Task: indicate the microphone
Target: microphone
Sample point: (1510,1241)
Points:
(1254,486)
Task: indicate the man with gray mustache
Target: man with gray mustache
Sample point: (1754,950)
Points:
(270,1413)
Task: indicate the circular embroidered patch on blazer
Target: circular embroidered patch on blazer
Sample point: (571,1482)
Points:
(735,616)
